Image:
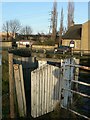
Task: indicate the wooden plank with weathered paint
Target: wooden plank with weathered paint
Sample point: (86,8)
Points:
(44,81)
(18,90)
(11,86)
(52,69)
(49,85)
(37,93)
(34,99)
(42,90)
(32,95)
(22,89)
(47,91)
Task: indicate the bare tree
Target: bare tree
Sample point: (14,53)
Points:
(61,28)
(27,30)
(6,28)
(70,13)
(14,26)
(53,21)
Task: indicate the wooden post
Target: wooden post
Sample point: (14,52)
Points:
(0,92)
(11,86)
(18,75)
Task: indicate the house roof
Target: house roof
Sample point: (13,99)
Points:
(74,32)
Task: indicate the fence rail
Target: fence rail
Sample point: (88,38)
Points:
(79,82)
(76,92)
(80,66)
(77,113)
(84,95)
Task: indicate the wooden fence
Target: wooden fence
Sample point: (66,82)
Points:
(47,83)
(50,85)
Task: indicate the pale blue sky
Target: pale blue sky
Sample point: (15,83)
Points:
(36,14)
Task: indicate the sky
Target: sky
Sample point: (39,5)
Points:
(37,14)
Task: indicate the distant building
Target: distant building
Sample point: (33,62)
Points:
(3,36)
(79,33)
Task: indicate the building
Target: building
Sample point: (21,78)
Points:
(79,33)
(3,36)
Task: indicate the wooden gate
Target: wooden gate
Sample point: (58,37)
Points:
(45,89)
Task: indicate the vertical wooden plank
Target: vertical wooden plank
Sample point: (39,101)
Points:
(11,86)
(34,95)
(32,87)
(43,90)
(50,89)
(60,84)
(48,72)
(55,87)
(49,81)
(52,86)
(37,93)
(40,91)
(47,90)
(37,79)
(57,84)
(45,80)
(0,90)
(22,88)
(18,90)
